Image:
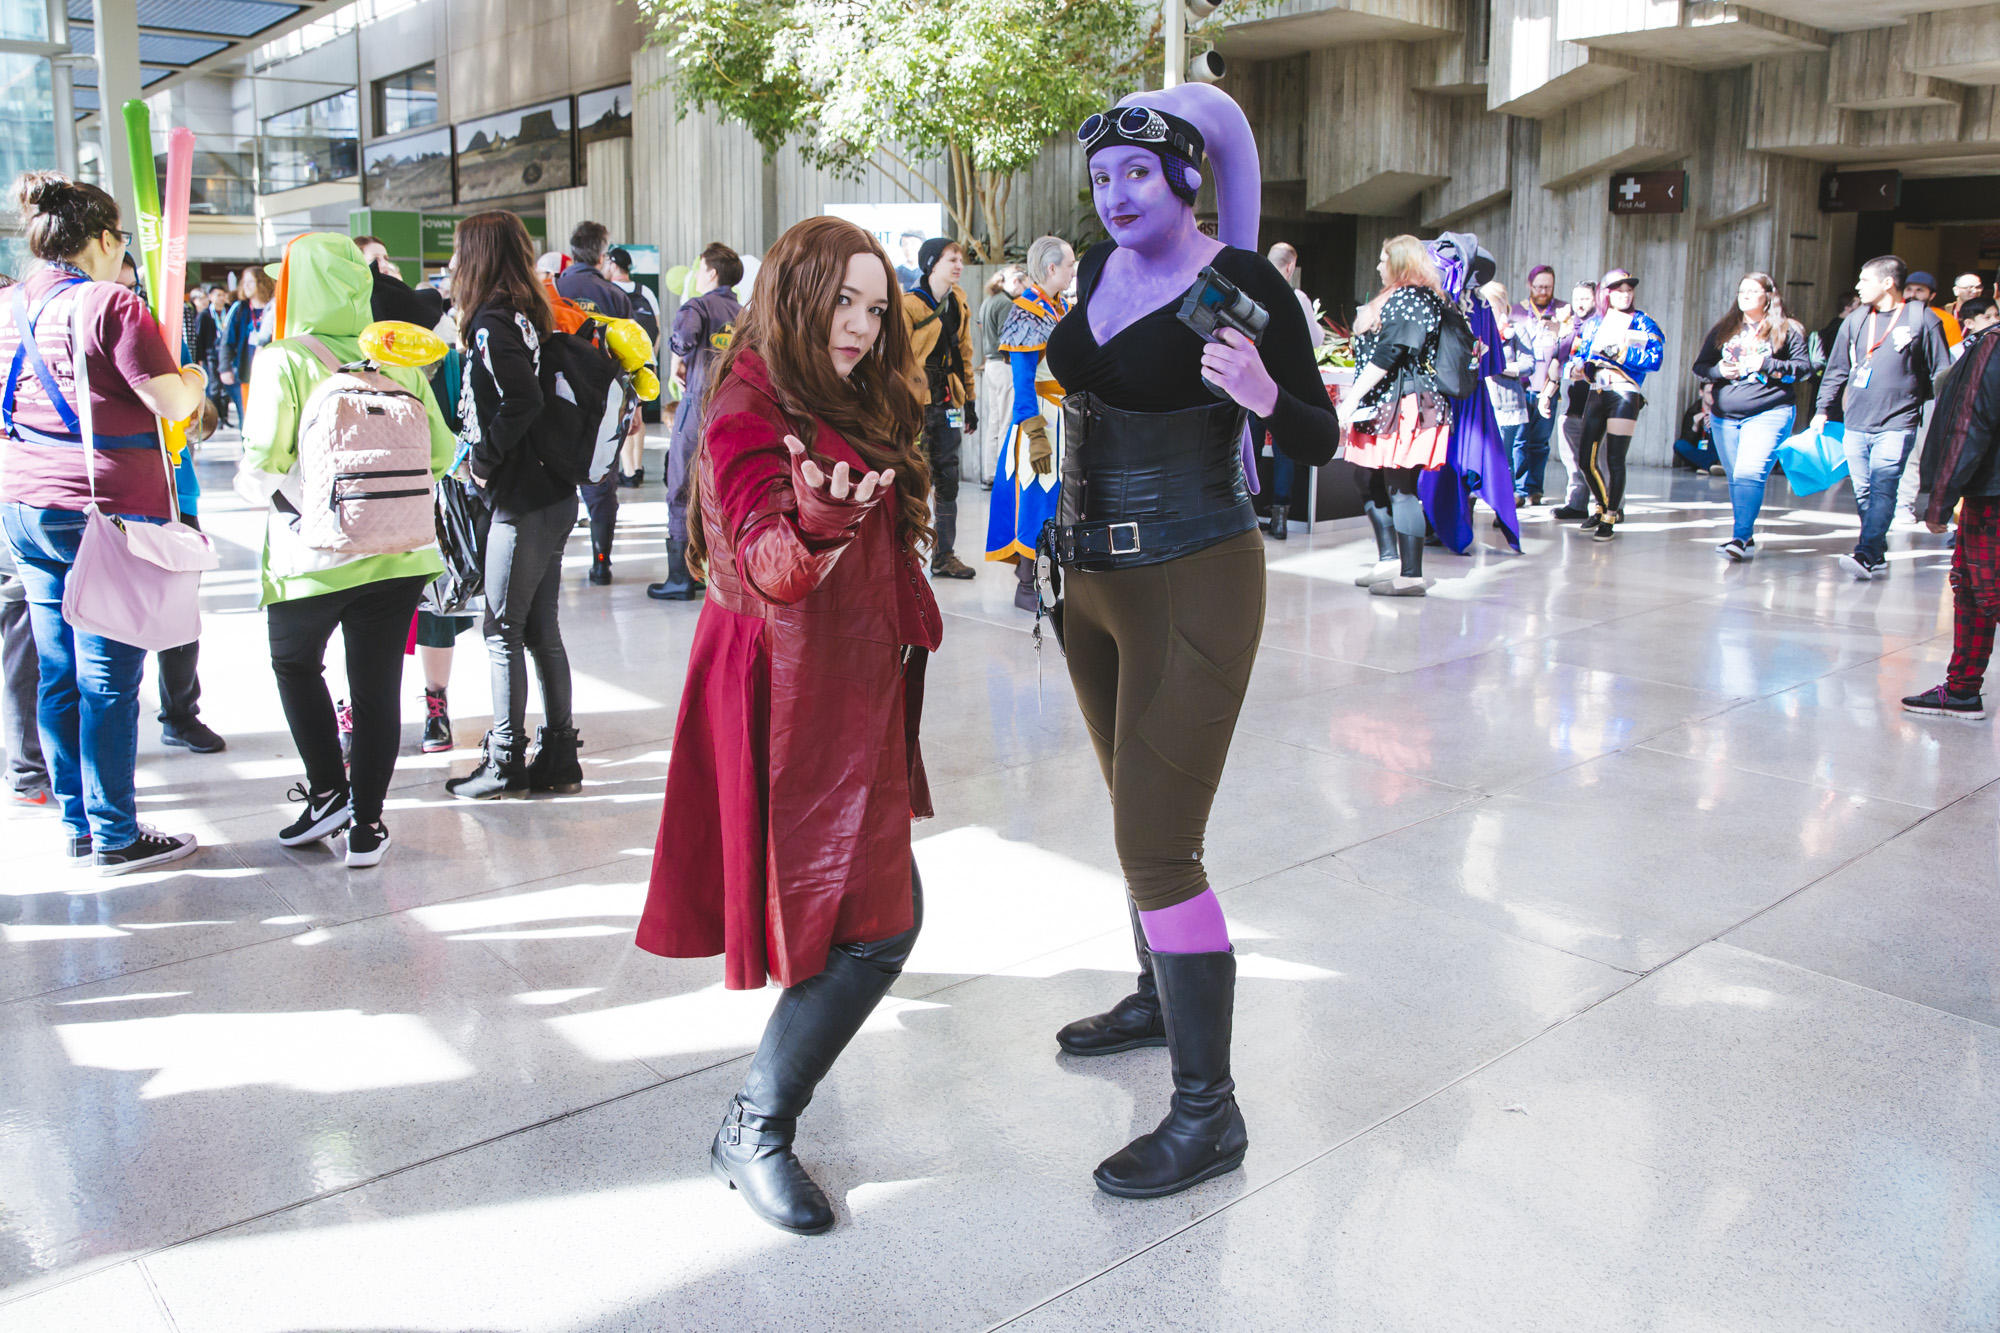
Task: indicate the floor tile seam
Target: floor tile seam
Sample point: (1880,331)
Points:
(1441,785)
(159,1297)
(122,974)
(1851,984)
(1839,791)
(1476,923)
(392,1172)
(457,897)
(1380,1123)
(1654,680)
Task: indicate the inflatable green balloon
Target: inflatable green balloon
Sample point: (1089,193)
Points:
(673,278)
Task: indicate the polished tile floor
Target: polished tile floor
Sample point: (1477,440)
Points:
(1615,955)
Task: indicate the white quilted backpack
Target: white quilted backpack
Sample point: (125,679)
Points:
(364,462)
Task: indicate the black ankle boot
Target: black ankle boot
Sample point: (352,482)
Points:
(1410,550)
(680,585)
(809,1028)
(554,767)
(1203,1135)
(1131,1023)
(500,771)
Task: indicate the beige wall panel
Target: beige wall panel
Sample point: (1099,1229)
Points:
(609,179)
(1958,44)
(1788,107)
(1869,71)
(694,180)
(1478,158)
(1531,73)
(1726,179)
(562,210)
(1385,145)
(1647,121)
(1580,19)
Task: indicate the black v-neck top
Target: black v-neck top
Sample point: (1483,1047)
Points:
(1154,364)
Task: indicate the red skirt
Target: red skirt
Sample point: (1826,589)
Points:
(1420,434)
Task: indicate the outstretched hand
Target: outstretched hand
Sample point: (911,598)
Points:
(1236,366)
(841,485)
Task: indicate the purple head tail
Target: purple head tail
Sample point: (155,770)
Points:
(1232,154)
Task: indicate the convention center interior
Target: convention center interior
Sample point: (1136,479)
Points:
(1449,548)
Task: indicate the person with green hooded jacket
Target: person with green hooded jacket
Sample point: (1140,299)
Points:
(324,290)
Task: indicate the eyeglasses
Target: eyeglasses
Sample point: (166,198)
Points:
(1140,124)
(1623,287)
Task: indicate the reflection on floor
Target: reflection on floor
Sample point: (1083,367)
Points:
(1615,955)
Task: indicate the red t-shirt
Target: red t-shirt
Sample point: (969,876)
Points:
(122,347)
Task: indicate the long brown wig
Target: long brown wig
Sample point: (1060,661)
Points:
(493,263)
(789,323)
(1775,321)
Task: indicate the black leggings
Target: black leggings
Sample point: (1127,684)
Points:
(374,622)
(1395,510)
(1602,451)
(1160,656)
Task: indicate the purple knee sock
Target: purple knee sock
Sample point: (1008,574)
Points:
(1195,926)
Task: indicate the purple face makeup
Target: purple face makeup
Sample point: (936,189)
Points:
(1134,200)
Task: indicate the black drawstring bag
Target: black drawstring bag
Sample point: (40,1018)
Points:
(463,516)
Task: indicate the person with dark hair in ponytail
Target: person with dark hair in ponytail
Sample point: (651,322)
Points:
(1164,571)
(71,309)
(785,838)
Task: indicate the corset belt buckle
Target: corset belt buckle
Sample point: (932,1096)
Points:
(1112,533)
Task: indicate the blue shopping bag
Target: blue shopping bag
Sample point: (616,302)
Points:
(1814,459)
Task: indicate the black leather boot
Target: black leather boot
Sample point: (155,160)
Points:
(1203,1135)
(554,767)
(680,585)
(1132,1022)
(1385,531)
(810,1027)
(501,771)
(1410,547)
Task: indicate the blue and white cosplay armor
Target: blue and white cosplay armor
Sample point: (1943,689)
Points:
(1024,499)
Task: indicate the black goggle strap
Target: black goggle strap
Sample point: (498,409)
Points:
(1140,125)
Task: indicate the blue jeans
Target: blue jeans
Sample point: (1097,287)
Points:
(1749,445)
(1875,465)
(1283,474)
(1699,453)
(89,712)
(1528,446)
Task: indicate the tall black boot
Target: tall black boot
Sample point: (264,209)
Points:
(680,584)
(1203,1135)
(1385,530)
(1410,548)
(1132,1022)
(808,1030)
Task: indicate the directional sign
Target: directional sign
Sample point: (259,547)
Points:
(1860,191)
(1649,192)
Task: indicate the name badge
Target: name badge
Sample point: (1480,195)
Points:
(1862,377)
(954,419)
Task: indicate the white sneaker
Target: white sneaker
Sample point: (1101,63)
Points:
(365,844)
(1861,571)
(1380,570)
(1399,586)
(1717,470)
(151,848)
(1738,550)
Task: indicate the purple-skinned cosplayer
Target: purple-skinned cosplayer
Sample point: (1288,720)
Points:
(1163,572)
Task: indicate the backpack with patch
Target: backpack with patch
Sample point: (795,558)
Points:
(364,448)
(1457,364)
(586,405)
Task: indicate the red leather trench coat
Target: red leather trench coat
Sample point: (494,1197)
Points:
(795,770)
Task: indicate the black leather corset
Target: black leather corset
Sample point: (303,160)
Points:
(1142,487)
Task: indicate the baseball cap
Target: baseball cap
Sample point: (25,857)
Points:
(1921,279)
(620,256)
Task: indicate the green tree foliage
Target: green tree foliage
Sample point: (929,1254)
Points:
(982,84)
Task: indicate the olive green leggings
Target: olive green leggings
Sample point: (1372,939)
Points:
(1160,656)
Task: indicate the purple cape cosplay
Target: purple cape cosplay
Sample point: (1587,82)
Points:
(1477,462)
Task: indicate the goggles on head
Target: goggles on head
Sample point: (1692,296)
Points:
(1143,127)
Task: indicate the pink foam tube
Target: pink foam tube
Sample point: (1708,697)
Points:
(1195,926)
(174,235)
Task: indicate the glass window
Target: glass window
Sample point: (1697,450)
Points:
(27,135)
(514,153)
(311,143)
(405,101)
(24,20)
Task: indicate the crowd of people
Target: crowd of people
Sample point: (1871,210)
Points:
(813,474)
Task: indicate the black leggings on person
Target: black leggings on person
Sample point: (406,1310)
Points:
(1160,656)
(1602,451)
(1396,512)
(374,623)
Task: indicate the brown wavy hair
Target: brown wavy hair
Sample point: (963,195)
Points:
(493,263)
(789,323)
(1776,323)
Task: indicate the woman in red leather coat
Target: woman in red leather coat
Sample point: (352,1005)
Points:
(785,841)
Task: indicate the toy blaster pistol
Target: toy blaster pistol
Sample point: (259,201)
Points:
(1215,303)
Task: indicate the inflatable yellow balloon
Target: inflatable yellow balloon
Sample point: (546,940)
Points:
(392,342)
(628,342)
(646,383)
